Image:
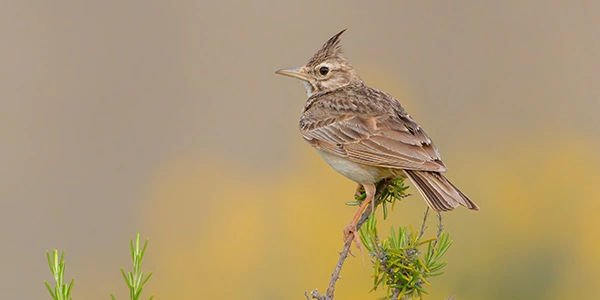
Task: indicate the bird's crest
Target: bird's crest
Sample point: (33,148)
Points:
(330,49)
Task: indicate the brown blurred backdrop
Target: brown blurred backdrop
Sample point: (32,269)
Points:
(165,117)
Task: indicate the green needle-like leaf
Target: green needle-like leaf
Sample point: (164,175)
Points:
(50,290)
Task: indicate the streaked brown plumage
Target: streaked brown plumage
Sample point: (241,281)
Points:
(365,134)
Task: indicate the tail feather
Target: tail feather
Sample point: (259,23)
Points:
(439,193)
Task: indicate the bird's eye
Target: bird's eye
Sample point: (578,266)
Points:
(324,70)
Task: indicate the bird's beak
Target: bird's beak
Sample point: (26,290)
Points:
(293,72)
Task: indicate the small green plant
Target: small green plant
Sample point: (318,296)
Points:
(400,263)
(61,291)
(135,280)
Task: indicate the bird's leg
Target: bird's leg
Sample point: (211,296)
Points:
(350,231)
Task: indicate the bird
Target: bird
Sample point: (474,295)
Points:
(366,135)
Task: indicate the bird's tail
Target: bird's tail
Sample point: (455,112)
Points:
(439,193)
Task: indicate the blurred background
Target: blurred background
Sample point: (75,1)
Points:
(165,117)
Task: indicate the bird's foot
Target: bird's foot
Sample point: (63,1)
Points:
(359,194)
(351,233)
(359,191)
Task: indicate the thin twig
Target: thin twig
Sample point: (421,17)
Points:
(381,186)
(440,225)
(395,294)
(440,229)
(423,226)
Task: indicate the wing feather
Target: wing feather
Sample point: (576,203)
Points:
(375,132)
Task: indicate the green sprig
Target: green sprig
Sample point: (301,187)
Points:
(61,291)
(135,280)
(400,265)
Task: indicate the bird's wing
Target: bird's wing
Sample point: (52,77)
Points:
(390,138)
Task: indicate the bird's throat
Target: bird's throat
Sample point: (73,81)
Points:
(310,90)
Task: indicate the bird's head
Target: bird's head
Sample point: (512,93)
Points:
(327,70)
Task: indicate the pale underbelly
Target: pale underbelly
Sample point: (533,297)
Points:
(356,172)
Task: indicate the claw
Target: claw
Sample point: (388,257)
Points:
(358,192)
(350,233)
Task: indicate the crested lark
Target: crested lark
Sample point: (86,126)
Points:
(366,135)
